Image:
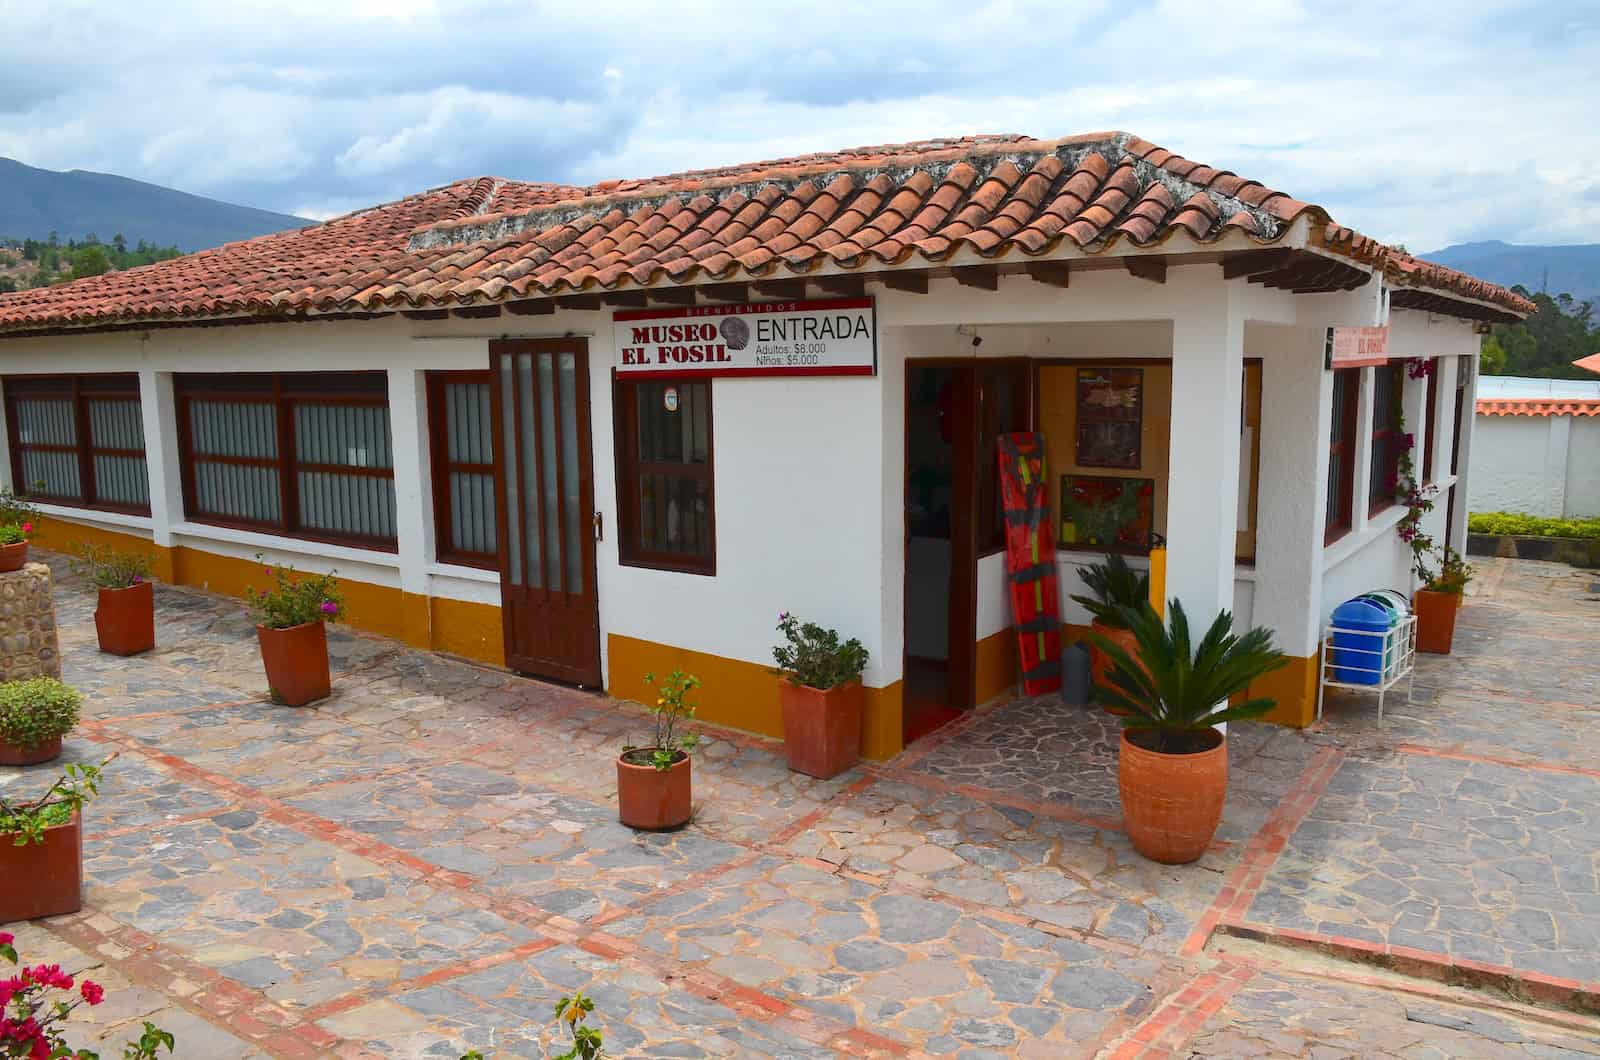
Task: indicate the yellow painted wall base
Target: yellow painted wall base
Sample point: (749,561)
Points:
(997,666)
(738,694)
(1295,688)
(471,630)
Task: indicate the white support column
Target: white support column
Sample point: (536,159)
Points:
(413,494)
(160,411)
(1203,475)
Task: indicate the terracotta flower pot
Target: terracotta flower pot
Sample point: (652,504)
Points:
(42,879)
(296,660)
(653,798)
(13,755)
(1100,665)
(1436,620)
(125,619)
(821,727)
(12,557)
(1172,803)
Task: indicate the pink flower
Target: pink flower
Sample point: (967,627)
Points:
(92,992)
(137,578)
(27,528)
(329,607)
(7,938)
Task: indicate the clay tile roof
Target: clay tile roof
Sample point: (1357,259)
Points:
(1537,407)
(1590,363)
(484,240)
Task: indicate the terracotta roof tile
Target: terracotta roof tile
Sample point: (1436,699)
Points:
(485,239)
(1537,407)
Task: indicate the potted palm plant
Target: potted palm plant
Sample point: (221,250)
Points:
(1114,586)
(17,520)
(291,628)
(1439,598)
(41,847)
(125,614)
(654,783)
(820,696)
(1172,770)
(35,713)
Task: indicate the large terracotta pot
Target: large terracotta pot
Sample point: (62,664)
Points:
(42,879)
(12,557)
(1100,665)
(125,619)
(821,727)
(1436,620)
(296,660)
(12,755)
(653,798)
(1172,803)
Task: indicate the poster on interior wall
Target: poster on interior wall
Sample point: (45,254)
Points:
(1106,511)
(1110,414)
(834,336)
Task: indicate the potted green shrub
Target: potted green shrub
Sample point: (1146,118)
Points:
(17,520)
(125,613)
(654,784)
(1114,586)
(35,713)
(1172,770)
(1439,598)
(291,628)
(41,847)
(821,697)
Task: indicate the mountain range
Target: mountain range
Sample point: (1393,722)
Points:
(76,203)
(1572,268)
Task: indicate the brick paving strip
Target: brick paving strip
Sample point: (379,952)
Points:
(1176,1020)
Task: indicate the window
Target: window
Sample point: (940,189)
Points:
(306,455)
(1463,374)
(461,428)
(1430,407)
(664,481)
(1383,467)
(79,440)
(1341,454)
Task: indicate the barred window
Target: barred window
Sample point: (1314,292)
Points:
(1341,454)
(305,455)
(461,427)
(78,440)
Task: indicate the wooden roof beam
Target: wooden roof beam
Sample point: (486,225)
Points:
(531,307)
(911,282)
(476,312)
(1054,273)
(983,277)
(789,289)
(1153,269)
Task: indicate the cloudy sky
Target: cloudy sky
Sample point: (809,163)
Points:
(1421,122)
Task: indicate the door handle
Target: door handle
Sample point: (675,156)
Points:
(599,527)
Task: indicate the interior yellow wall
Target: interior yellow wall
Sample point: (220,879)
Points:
(739,694)
(996,664)
(471,630)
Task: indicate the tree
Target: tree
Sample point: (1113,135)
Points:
(7,285)
(1558,332)
(120,242)
(89,260)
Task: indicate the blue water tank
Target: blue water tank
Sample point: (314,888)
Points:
(1358,657)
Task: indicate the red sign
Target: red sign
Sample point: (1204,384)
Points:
(837,336)
(1357,347)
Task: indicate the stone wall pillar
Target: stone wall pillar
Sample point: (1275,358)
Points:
(28,644)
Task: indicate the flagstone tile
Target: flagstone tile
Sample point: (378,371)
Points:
(298,919)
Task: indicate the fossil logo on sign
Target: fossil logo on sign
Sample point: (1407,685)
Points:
(827,337)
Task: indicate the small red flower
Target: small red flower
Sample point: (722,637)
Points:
(92,992)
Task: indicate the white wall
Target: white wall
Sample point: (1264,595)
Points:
(1537,465)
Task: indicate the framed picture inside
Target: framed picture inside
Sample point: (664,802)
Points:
(1110,417)
(1107,512)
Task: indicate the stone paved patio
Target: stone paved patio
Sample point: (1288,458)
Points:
(425,861)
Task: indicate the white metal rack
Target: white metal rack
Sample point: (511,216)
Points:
(1382,669)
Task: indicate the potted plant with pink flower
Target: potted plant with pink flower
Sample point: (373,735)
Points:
(125,614)
(17,520)
(291,626)
(41,846)
(35,1003)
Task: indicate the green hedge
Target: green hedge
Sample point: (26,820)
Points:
(1531,525)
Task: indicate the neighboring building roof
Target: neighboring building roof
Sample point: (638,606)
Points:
(1536,407)
(1590,363)
(484,242)
(1522,386)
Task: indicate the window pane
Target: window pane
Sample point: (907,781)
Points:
(550,479)
(470,428)
(46,422)
(472,512)
(508,425)
(233,428)
(360,505)
(237,491)
(352,436)
(115,425)
(121,480)
(675,515)
(680,437)
(51,474)
(531,522)
(571,480)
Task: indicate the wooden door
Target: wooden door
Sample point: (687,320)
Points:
(545,494)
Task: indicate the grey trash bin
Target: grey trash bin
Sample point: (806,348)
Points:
(1075,674)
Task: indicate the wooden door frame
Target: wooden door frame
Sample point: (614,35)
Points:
(506,463)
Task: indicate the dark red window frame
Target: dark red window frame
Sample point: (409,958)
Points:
(281,392)
(81,390)
(1383,459)
(1339,516)
(445,547)
(631,470)
(1431,411)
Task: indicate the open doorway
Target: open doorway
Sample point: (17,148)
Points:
(955,412)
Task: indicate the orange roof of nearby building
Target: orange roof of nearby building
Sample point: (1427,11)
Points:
(1537,407)
(1590,363)
(486,241)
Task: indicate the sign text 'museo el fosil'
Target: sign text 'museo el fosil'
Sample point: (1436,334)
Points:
(835,336)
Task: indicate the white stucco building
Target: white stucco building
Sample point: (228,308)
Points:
(1539,447)
(459,403)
